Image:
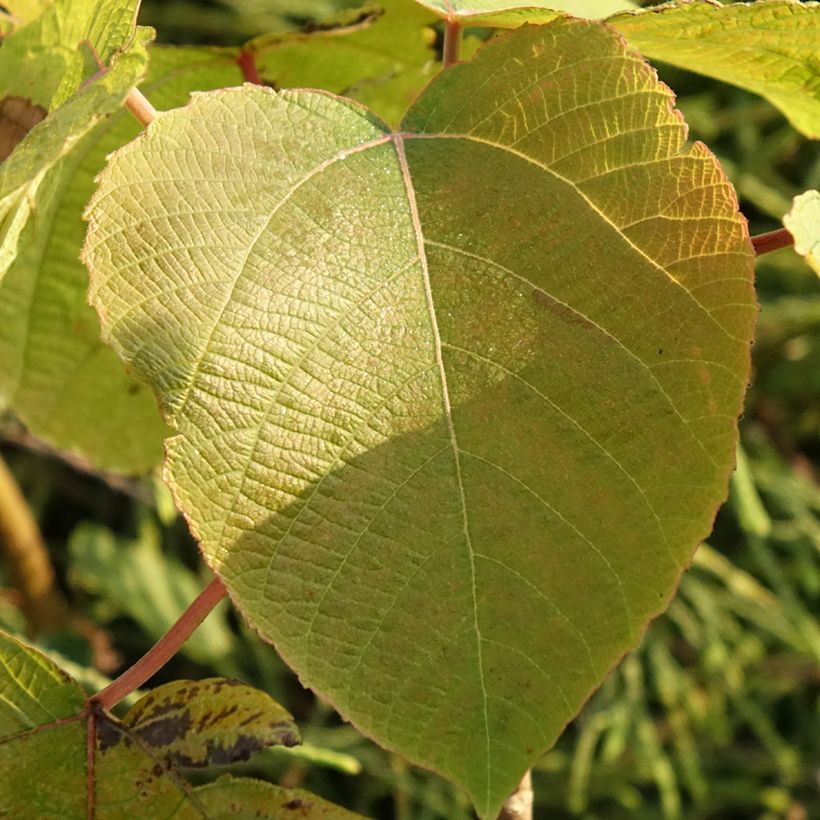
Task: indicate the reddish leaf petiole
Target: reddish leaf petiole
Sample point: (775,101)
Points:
(164,649)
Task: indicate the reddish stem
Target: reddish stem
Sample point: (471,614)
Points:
(164,649)
(247,65)
(452,42)
(772,241)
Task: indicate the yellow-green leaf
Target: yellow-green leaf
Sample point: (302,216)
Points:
(770,47)
(45,62)
(453,404)
(210,722)
(59,378)
(511,14)
(803,223)
(384,60)
(71,760)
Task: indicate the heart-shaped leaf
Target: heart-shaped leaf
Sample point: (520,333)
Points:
(454,405)
(105,768)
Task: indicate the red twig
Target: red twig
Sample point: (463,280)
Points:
(452,42)
(247,65)
(164,649)
(772,241)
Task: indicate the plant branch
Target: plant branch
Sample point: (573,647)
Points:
(518,806)
(138,105)
(29,560)
(452,42)
(247,65)
(164,649)
(772,241)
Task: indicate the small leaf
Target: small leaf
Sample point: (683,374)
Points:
(383,63)
(246,799)
(803,223)
(211,722)
(453,404)
(46,725)
(769,47)
(511,14)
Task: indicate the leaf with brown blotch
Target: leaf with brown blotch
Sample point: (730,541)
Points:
(105,768)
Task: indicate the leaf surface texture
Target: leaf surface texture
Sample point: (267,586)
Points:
(453,404)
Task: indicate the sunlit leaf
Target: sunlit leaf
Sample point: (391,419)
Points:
(453,405)
(46,726)
(46,63)
(510,14)
(69,388)
(803,223)
(769,47)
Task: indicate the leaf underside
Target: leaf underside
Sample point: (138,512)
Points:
(453,405)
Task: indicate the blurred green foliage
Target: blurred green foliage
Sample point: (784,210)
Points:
(716,715)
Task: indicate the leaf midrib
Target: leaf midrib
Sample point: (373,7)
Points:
(398,142)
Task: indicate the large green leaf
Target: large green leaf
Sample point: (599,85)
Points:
(72,760)
(384,61)
(453,405)
(770,47)
(46,62)
(803,223)
(68,387)
(510,14)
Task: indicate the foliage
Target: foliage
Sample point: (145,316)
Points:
(358,387)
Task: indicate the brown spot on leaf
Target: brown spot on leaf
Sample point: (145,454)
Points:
(17,117)
(241,749)
(165,731)
(108,733)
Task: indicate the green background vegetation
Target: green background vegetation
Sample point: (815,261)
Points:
(714,716)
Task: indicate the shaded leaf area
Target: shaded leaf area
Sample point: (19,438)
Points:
(134,577)
(768,47)
(803,223)
(133,764)
(378,350)
(381,55)
(507,14)
(59,378)
(45,62)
